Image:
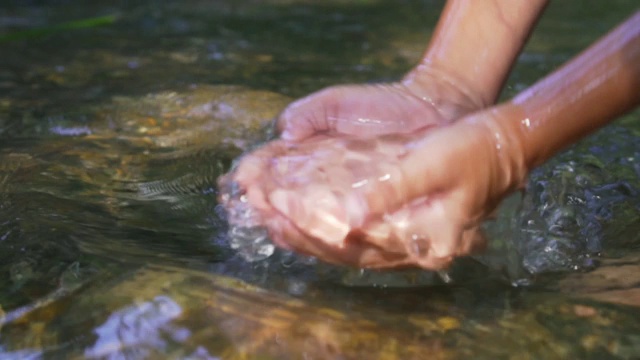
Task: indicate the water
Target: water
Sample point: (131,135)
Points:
(557,226)
(245,234)
(114,131)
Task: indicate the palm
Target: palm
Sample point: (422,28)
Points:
(367,110)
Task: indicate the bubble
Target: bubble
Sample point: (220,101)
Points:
(296,287)
(566,212)
(252,243)
(246,235)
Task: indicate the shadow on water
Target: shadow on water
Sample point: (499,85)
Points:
(112,245)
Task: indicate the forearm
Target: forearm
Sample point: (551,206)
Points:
(477,42)
(585,94)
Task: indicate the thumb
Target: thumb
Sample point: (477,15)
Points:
(438,236)
(422,173)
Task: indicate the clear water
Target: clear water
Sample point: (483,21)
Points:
(112,244)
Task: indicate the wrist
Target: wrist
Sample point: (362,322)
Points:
(503,127)
(451,95)
(480,40)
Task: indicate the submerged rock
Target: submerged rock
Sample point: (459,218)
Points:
(168,312)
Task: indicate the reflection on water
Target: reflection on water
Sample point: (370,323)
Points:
(139,329)
(112,246)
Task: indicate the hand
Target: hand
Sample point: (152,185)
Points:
(451,180)
(386,201)
(263,179)
(425,97)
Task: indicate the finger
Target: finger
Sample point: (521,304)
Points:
(390,230)
(376,258)
(448,237)
(356,253)
(431,167)
(253,166)
(430,233)
(243,191)
(467,243)
(430,243)
(317,210)
(306,117)
(403,235)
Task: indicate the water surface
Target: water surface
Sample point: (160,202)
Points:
(117,117)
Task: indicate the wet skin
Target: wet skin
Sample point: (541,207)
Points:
(448,179)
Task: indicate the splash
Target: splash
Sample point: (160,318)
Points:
(573,206)
(246,233)
(568,212)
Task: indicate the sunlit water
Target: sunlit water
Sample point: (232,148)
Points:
(112,244)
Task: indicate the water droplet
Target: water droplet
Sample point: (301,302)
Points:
(252,243)
(419,246)
(296,287)
(360,183)
(444,275)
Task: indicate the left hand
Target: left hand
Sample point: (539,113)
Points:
(282,169)
(424,97)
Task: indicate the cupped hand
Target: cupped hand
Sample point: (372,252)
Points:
(313,173)
(384,201)
(425,97)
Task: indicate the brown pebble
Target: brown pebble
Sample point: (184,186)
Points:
(584,311)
